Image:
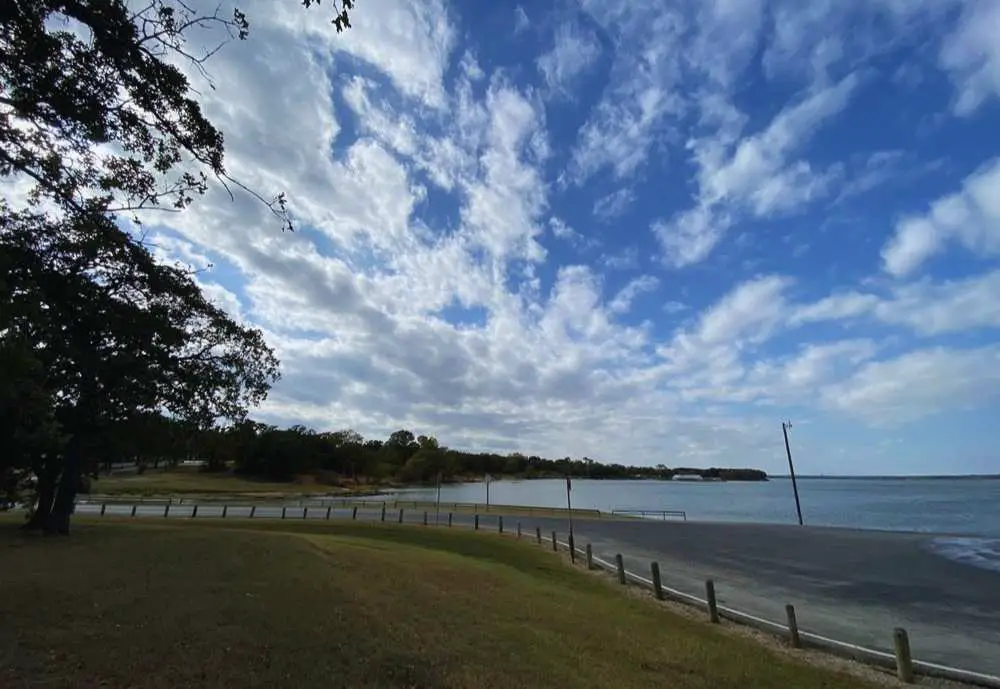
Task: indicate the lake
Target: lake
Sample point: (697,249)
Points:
(959,506)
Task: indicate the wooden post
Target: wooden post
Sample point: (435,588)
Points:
(538,534)
(657,584)
(904,661)
(224,509)
(500,524)
(793,627)
(572,549)
(555,544)
(519,529)
(283,508)
(590,557)
(620,564)
(253,510)
(477,523)
(354,513)
(425,517)
(713,606)
(328,509)
(449,519)
(103,508)
(166,510)
(194,512)
(133,510)
(400,520)
(383,511)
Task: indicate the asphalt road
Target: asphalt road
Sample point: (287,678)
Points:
(851,585)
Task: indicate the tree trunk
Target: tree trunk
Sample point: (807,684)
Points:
(46,493)
(69,485)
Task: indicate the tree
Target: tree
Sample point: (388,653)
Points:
(118,335)
(97,117)
(64,93)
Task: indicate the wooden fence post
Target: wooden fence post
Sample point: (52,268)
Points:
(538,534)
(103,508)
(555,544)
(620,565)
(194,512)
(572,549)
(253,510)
(657,584)
(225,508)
(283,508)
(328,510)
(793,627)
(904,661)
(400,520)
(476,528)
(354,513)
(500,524)
(425,517)
(590,556)
(713,606)
(449,519)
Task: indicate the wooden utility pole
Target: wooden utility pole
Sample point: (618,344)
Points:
(785,425)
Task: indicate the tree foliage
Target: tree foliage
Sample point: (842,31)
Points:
(103,348)
(283,454)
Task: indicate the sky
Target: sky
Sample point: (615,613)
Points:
(642,232)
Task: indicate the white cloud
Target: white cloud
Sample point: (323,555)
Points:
(754,174)
(614,204)
(521,21)
(574,51)
(690,237)
(409,42)
(633,112)
(623,300)
(433,189)
(918,384)
(972,56)
(970,217)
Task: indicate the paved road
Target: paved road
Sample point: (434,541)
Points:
(846,584)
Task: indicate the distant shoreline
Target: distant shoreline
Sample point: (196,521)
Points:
(917,477)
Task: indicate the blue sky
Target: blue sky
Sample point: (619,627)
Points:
(638,231)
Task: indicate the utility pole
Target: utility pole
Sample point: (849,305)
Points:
(569,504)
(785,425)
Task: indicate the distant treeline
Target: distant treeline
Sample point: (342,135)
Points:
(281,454)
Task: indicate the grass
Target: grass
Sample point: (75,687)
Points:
(277,604)
(189,482)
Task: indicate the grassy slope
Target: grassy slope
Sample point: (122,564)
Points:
(184,481)
(207,604)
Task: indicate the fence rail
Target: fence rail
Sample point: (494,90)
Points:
(900,660)
(663,514)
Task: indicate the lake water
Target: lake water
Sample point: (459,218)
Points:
(966,510)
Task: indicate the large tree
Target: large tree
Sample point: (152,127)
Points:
(119,336)
(97,119)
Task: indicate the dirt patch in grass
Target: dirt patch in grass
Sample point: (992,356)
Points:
(344,605)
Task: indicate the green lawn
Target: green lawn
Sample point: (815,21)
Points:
(279,604)
(189,482)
